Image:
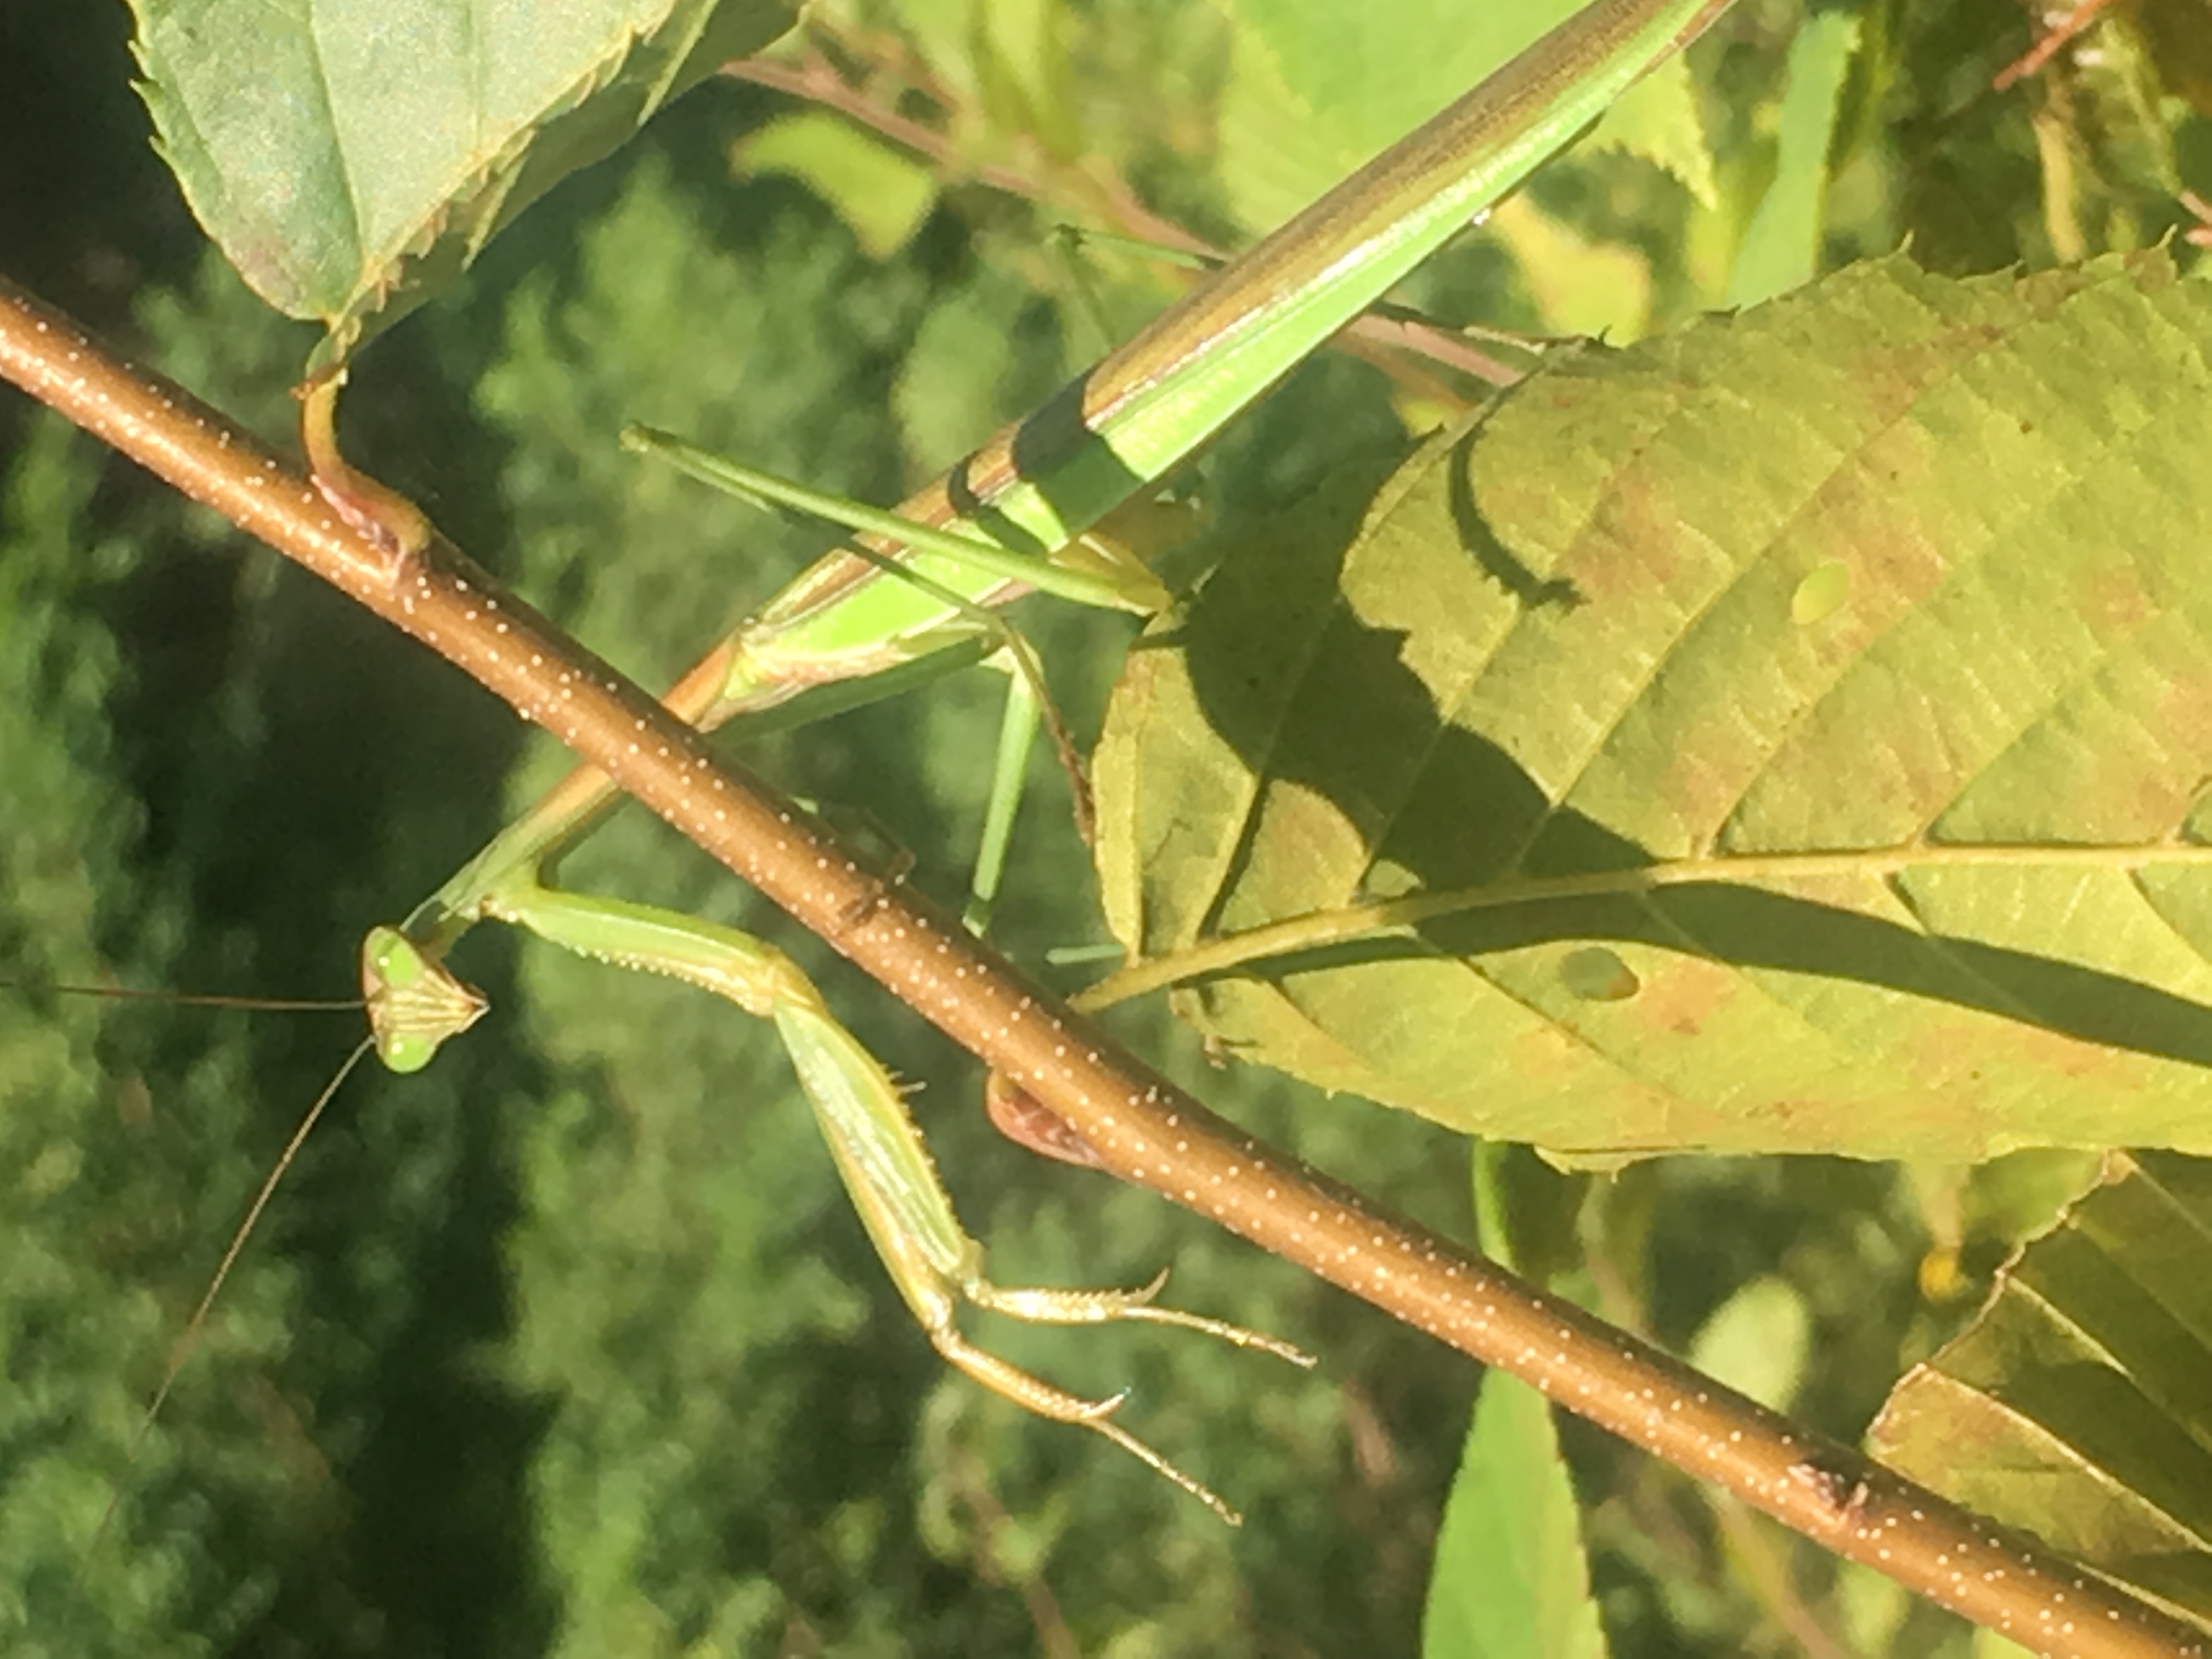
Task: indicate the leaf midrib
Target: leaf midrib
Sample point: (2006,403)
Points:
(1348,923)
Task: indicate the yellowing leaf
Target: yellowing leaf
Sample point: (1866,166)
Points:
(1921,874)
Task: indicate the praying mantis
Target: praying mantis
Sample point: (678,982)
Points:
(1001,523)
(1014,512)
(756,978)
(1007,520)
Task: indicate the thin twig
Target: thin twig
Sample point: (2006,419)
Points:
(1373,339)
(2030,61)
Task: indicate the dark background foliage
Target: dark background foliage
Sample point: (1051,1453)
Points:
(571,1343)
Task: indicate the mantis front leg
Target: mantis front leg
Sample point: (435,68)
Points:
(415,1004)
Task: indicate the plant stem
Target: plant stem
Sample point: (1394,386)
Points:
(1223,953)
(1369,336)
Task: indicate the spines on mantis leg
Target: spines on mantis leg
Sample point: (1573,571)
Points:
(1124,424)
(887,1169)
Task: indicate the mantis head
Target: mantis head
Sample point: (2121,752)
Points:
(414,1003)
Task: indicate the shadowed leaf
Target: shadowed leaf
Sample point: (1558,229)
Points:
(352,159)
(2078,1406)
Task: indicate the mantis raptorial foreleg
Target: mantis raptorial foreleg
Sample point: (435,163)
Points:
(1094,573)
(415,1004)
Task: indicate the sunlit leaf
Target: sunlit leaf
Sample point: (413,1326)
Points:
(1657,119)
(1782,245)
(881,193)
(1757,1341)
(1923,876)
(2078,1406)
(1319,88)
(1580,287)
(1509,1580)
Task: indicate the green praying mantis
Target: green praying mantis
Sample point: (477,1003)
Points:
(909,599)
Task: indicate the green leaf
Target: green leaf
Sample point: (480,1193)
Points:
(1757,1341)
(1024,68)
(882,194)
(2078,1406)
(1781,246)
(1600,290)
(1509,1580)
(1923,876)
(1317,87)
(1657,119)
(351,157)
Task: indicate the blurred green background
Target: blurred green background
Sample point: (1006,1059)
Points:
(572,1344)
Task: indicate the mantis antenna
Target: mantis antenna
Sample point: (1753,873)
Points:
(188,1339)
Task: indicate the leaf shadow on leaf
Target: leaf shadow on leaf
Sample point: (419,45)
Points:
(1742,927)
(1492,554)
(1442,809)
